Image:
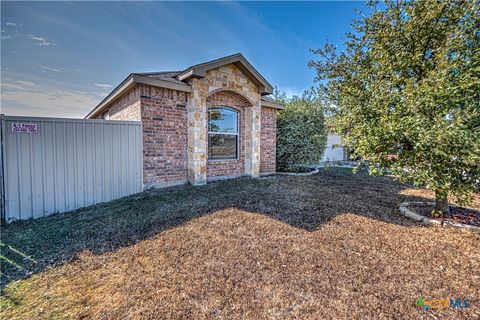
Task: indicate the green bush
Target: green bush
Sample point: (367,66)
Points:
(301,133)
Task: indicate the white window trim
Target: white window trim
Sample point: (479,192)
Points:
(224,133)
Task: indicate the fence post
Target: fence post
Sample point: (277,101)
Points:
(2,181)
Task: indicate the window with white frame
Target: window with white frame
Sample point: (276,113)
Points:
(223,133)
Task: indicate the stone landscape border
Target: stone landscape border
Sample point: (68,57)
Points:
(298,173)
(337,164)
(413,215)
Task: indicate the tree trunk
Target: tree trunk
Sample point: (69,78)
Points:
(441,201)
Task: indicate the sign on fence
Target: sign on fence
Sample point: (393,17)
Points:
(21,127)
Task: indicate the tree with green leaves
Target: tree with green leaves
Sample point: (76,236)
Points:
(407,93)
(301,134)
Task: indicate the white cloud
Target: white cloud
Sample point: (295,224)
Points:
(12,24)
(27,83)
(5,35)
(41,41)
(11,86)
(103,85)
(31,36)
(46,43)
(21,98)
(49,68)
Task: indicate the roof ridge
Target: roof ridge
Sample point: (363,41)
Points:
(156,72)
(212,61)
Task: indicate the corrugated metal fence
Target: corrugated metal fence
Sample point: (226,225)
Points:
(55,165)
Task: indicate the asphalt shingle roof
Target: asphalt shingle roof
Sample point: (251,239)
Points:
(163,75)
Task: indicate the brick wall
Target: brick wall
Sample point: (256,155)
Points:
(164,117)
(126,107)
(268,144)
(229,168)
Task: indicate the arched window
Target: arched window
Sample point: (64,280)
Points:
(222,133)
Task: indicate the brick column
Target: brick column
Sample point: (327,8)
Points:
(197,134)
(252,145)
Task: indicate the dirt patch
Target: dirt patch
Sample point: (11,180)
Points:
(329,246)
(456,214)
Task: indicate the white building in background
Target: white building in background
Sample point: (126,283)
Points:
(334,150)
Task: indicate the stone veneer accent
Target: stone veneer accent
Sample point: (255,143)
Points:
(197,134)
(230,79)
(268,141)
(229,168)
(175,128)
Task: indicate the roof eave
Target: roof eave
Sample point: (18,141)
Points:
(274,105)
(161,83)
(119,90)
(129,83)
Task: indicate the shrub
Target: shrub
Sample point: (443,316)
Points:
(301,134)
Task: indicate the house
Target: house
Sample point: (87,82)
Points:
(211,121)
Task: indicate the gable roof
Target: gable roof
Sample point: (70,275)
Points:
(177,80)
(199,71)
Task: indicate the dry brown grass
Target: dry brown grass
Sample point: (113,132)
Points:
(330,246)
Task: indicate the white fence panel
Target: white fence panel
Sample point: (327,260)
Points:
(53,165)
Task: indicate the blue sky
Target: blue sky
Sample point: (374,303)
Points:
(62,58)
